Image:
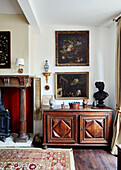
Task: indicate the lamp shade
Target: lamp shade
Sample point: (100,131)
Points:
(19,61)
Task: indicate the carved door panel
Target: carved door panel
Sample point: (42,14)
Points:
(94,129)
(61,128)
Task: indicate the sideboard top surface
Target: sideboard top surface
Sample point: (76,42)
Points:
(81,109)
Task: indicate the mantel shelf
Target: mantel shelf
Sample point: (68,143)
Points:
(15,80)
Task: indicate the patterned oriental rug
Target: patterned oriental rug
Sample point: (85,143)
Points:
(36,159)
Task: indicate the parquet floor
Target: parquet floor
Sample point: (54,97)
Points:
(94,159)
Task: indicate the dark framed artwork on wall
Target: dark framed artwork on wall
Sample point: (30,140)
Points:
(5,49)
(72,48)
(72,85)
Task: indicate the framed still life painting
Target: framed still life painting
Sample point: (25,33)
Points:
(72,85)
(72,48)
(5,49)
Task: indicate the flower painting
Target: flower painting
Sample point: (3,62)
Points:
(72,48)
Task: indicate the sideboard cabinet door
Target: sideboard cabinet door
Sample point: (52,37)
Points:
(94,128)
(61,128)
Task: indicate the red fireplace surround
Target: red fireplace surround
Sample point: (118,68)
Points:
(18,99)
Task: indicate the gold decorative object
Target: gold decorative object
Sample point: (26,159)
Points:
(20,63)
(46,74)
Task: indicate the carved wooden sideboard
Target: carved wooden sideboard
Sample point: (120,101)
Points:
(84,126)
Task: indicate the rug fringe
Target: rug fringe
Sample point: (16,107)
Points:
(72,160)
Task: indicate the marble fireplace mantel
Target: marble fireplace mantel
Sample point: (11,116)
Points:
(21,82)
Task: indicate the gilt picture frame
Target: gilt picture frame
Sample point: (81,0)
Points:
(72,48)
(72,85)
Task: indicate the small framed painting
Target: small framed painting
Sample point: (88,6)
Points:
(72,48)
(5,49)
(72,85)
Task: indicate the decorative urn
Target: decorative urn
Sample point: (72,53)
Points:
(46,66)
(52,102)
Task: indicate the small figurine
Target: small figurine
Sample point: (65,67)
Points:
(100,95)
(94,104)
(84,103)
(63,105)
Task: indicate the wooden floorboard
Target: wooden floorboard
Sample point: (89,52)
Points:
(94,159)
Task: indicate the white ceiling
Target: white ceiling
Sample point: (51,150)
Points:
(78,12)
(93,13)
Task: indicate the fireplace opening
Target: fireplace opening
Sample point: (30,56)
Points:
(11,102)
(4,120)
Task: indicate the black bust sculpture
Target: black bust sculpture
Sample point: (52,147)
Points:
(100,95)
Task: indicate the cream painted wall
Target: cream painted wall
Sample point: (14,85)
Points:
(36,48)
(112,54)
(19,28)
(99,69)
(101,56)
